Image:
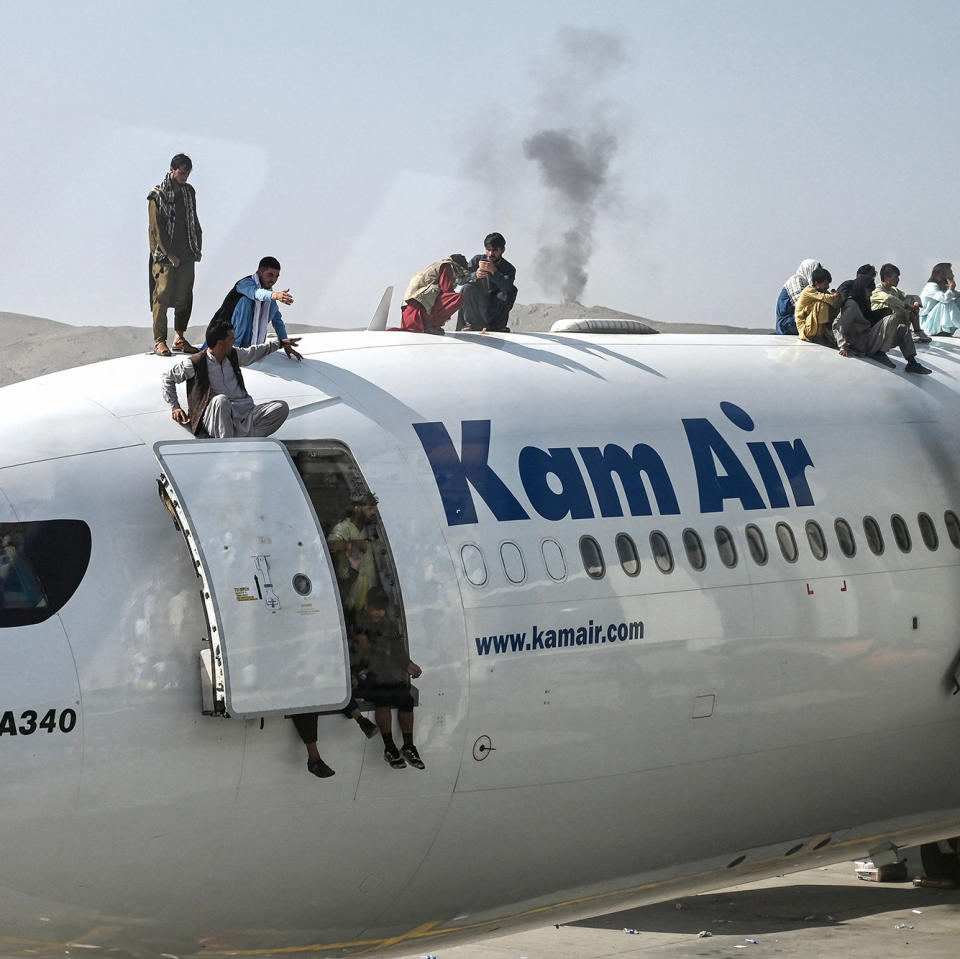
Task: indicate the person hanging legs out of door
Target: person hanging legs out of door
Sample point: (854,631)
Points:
(306,724)
(390,671)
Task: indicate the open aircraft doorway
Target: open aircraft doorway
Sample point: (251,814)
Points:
(277,642)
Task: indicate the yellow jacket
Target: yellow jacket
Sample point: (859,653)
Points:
(814,312)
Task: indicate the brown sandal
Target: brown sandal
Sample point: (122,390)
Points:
(161,348)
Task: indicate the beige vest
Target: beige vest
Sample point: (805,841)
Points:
(425,286)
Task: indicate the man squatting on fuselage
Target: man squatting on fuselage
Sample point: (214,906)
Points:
(217,398)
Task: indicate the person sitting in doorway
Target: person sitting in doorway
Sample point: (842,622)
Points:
(386,682)
(306,724)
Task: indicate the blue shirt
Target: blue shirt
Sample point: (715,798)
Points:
(242,320)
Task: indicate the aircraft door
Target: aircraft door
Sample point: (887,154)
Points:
(277,636)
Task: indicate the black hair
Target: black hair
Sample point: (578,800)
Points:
(459,259)
(269,263)
(868,269)
(494,241)
(939,273)
(377,598)
(218,330)
(820,275)
(888,270)
(181,162)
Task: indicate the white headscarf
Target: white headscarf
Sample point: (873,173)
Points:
(800,280)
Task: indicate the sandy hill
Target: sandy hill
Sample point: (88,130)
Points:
(31,346)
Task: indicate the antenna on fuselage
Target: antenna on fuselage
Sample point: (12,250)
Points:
(379,321)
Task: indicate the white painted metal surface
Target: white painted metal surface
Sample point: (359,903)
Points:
(605,758)
(277,631)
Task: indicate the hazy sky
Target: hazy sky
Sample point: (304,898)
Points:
(715,145)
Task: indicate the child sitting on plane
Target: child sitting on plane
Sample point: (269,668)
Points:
(816,309)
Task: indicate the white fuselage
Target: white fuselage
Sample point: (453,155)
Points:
(589,742)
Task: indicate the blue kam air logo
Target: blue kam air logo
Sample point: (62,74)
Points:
(720,473)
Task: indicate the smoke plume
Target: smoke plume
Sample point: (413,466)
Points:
(574,158)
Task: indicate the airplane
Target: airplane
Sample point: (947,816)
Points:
(685,607)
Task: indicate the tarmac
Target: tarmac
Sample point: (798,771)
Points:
(820,914)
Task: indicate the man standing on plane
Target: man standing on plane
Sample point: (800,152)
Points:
(252,303)
(489,291)
(175,245)
(216,397)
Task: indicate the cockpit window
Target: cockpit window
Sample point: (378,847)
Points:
(41,566)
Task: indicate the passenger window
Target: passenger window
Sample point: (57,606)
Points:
(662,554)
(816,539)
(788,542)
(512,560)
(871,529)
(474,567)
(553,560)
(953,527)
(41,565)
(627,554)
(592,557)
(757,544)
(901,532)
(694,547)
(928,531)
(848,545)
(726,547)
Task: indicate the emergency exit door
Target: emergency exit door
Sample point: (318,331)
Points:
(277,638)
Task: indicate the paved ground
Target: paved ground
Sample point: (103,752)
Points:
(822,913)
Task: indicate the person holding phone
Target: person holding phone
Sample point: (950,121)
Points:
(489,290)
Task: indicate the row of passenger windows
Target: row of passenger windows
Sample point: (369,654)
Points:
(591,553)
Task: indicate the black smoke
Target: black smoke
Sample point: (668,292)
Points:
(574,158)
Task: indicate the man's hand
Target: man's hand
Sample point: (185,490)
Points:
(486,267)
(913,306)
(179,416)
(174,259)
(289,344)
(414,670)
(283,296)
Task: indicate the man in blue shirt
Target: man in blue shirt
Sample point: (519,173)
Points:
(252,304)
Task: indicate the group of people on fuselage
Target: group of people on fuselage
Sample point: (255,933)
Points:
(487,292)
(859,318)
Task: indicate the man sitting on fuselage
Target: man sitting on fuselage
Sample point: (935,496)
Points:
(217,398)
